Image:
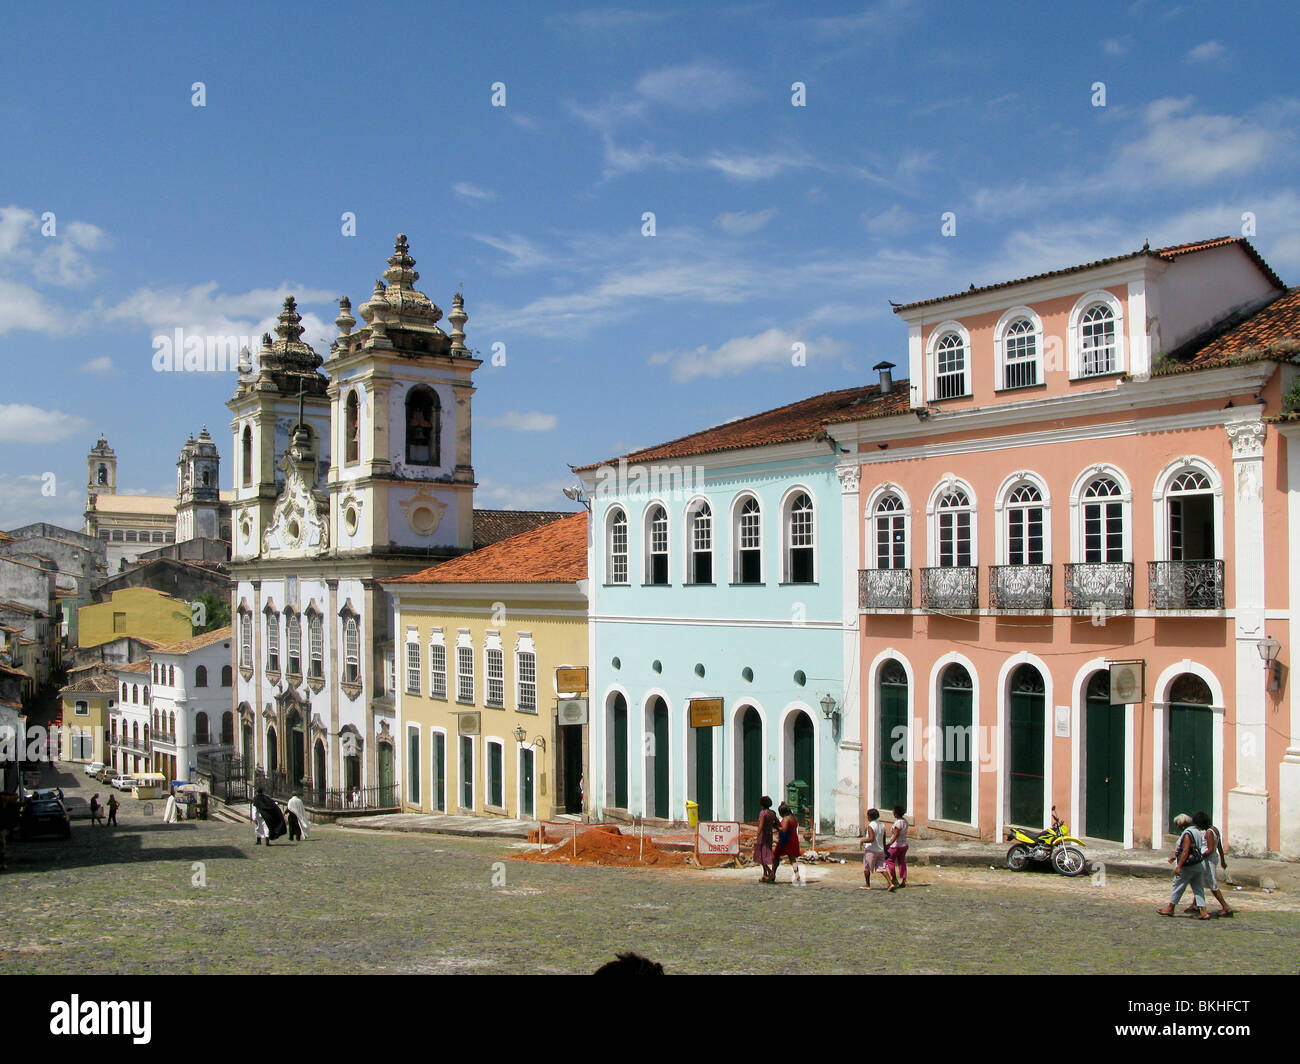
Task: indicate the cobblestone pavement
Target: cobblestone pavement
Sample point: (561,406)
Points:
(350,901)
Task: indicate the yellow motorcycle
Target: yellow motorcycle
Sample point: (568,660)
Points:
(1056,845)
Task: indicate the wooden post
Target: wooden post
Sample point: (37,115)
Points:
(575,842)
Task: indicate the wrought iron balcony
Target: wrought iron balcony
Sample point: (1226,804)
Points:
(885,589)
(1020,587)
(1191,585)
(1099,585)
(953,587)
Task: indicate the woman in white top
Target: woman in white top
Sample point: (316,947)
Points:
(896,865)
(873,856)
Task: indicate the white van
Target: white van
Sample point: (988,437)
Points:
(93,767)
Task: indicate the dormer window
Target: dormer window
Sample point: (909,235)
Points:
(949,361)
(1017,340)
(1098,341)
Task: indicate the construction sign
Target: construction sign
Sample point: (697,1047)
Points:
(718,836)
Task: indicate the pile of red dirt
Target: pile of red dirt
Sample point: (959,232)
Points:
(602,847)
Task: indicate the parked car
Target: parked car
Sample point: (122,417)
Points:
(37,793)
(44,816)
(94,767)
(107,775)
(122,783)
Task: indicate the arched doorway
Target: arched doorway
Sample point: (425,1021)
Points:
(1105,783)
(616,751)
(656,758)
(800,761)
(749,763)
(894,736)
(318,771)
(1191,749)
(297,751)
(272,750)
(1026,734)
(955,762)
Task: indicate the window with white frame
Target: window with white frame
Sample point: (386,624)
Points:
(526,681)
(245,641)
(954,525)
(293,641)
(390,672)
(1020,355)
(1103,521)
(437,670)
(495,695)
(413,668)
(1024,517)
(272,642)
(950,367)
(464,674)
(700,532)
(748,538)
(657,542)
(316,647)
(1191,520)
(616,565)
(1097,348)
(351,650)
(891,532)
(800,539)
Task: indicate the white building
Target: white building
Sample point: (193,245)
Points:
(191,711)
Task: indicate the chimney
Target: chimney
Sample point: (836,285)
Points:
(886,378)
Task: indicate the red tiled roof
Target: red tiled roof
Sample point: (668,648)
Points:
(803,420)
(1169,254)
(198,642)
(554,553)
(1272,332)
(492,526)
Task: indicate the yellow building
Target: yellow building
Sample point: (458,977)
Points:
(87,704)
(138,611)
(478,640)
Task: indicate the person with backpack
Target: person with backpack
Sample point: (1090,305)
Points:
(1189,867)
(1215,854)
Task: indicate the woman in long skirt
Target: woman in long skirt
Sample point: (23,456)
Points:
(763,852)
(787,842)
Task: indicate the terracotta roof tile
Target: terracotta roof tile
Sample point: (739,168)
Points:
(803,420)
(1169,254)
(554,553)
(492,526)
(198,642)
(134,666)
(95,683)
(1272,332)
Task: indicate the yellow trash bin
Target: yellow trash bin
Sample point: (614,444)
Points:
(693,814)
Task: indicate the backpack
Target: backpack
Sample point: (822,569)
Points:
(1194,852)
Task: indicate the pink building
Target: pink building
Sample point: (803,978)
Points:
(1098,468)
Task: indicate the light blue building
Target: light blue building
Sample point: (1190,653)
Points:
(717,567)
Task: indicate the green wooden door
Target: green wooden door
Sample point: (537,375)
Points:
(894,735)
(413,766)
(659,722)
(704,771)
(803,760)
(526,782)
(386,795)
(1191,761)
(467,772)
(1027,721)
(438,799)
(955,775)
(620,751)
(751,744)
(1104,779)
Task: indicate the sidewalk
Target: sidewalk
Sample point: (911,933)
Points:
(1145,864)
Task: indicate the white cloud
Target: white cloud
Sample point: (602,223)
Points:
(698,86)
(101,366)
(524,254)
(472,193)
(1117,45)
(521,421)
(747,166)
(23,308)
(21,423)
(1183,145)
(893,221)
(742,223)
(1208,52)
(496,495)
(773,349)
(24,502)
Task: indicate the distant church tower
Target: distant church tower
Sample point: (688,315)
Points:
(101,472)
(198,491)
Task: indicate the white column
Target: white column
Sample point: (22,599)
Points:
(848,756)
(1247,823)
(1289,770)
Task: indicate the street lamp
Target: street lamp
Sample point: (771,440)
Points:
(521,737)
(831,712)
(1269,648)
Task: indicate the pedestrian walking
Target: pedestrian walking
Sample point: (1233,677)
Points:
(297,815)
(873,853)
(268,821)
(787,842)
(763,854)
(1189,866)
(113,803)
(896,848)
(1215,854)
(96,817)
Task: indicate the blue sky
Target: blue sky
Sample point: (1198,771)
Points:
(774,224)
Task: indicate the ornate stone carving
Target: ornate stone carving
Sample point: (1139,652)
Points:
(1247,439)
(424,511)
(849,477)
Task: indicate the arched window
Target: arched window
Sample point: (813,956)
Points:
(1025,526)
(352,429)
(201,676)
(247,455)
(890,520)
(316,646)
(1020,355)
(124,693)
(950,367)
(700,531)
(748,538)
(351,651)
(657,546)
(1103,522)
(101,475)
(1097,341)
(201,737)
(227,728)
(800,540)
(893,738)
(171,675)
(293,639)
(953,524)
(227,678)
(272,641)
(135,693)
(207,478)
(423,425)
(1191,517)
(616,548)
(146,695)
(245,640)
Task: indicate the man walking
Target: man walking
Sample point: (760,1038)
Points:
(1188,858)
(113,803)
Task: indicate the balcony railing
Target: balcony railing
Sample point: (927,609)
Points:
(950,588)
(1099,585)
(885,589)
(165,737)
(1020,587)
(1190,585)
